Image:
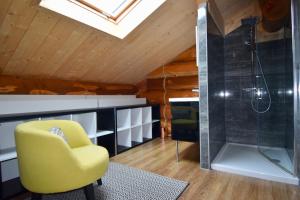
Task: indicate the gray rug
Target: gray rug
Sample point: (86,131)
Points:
(126,183)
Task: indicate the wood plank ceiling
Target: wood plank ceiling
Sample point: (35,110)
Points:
(38,43)
(35,42)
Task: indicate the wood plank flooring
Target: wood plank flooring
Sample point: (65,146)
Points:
(158,156)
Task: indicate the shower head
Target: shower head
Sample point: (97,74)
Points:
(251,21)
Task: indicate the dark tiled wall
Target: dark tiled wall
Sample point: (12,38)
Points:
(216,87)
(242,124)
(240,120)
(272,124)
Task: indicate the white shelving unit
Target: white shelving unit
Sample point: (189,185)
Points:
(130,128)
(134,126)
(89,123)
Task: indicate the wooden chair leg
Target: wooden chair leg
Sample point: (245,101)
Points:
(36,196)
(89,192)
(99,181)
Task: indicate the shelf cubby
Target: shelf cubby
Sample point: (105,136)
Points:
(136,135)
(7,142)
(124,140)
(123,119)
(136,117)
(105,135)
(147,131)
(88,121)
(146,115)
(9,170)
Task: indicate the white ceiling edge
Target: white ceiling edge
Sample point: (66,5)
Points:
(121,29)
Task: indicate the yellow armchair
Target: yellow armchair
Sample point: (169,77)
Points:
(48,164)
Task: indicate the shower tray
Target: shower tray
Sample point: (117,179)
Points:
(246,160)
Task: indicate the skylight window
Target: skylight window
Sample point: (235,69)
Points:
(110,8)
(115,17)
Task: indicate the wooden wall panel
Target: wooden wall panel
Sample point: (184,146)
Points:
(17,85)
(181,77)
(175,69)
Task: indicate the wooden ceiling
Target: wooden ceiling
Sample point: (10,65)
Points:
(35,42)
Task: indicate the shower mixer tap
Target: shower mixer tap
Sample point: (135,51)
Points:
(258,93)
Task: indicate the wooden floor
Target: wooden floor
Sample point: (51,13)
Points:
(158,156)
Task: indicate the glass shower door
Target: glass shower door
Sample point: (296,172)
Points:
(275,127)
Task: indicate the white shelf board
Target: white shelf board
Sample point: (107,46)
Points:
(146,123)
(136,125)
(103,132)
(23,104)
(186,99)
(91,136)
(123,128)
(156,120)
(8,155)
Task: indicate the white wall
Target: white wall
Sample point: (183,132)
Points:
(20,104)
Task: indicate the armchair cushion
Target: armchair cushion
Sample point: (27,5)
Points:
(92,158)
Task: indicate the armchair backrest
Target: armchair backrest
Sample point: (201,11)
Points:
(75,134)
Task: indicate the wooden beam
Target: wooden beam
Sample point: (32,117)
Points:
(24,85)
(175,70)
(157,96)
(187,56)
(173,83)
(275,13)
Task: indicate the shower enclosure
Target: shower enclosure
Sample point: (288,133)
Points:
(271,92)
(249,98)
(273,99)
